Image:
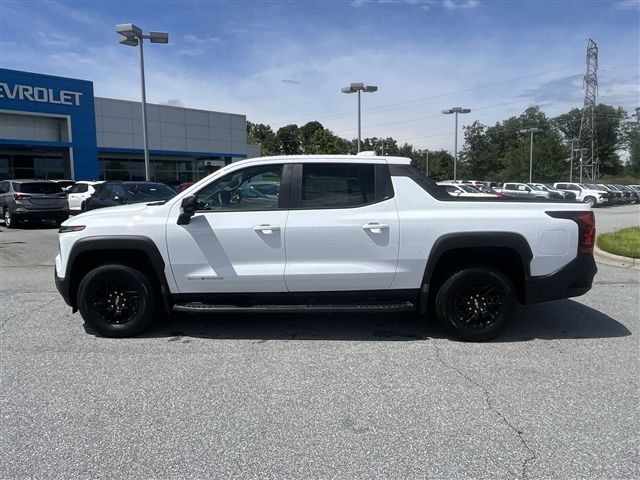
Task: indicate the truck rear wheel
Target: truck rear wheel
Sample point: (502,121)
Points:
(476,304)
(116,300)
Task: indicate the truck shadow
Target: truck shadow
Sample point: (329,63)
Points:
(562,319)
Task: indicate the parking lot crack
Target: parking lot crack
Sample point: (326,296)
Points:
(4,322)
(531,457)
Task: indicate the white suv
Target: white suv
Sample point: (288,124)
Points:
(78,194)
(585,193)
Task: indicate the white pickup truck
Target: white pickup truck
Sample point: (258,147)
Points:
(318,234)
(586,193)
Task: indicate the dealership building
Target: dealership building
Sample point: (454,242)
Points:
(53,127)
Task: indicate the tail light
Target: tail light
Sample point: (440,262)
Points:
(21,196)
(586,228)
(63,195)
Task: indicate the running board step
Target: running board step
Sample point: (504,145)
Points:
(197,307)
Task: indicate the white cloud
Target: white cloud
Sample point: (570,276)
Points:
(453,5)
(628,4)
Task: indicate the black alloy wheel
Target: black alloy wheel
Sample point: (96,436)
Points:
(116,300)
(476,303)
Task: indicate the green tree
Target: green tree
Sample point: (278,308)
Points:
(306,132)
(326,142)
(631,141)
(609,136)
(289,140)
(440,164)
(263,134)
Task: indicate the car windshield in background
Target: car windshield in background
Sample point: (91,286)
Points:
(468,189)
(41,188)
(153,191)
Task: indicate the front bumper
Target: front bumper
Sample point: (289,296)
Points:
(573,280)
(62,285)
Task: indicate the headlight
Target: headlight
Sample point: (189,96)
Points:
(71,228)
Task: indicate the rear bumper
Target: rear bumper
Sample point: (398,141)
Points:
(23,214)
(573,280)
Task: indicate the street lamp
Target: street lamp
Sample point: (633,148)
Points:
(357,88)
(455,110)
(531,131)
(132,36)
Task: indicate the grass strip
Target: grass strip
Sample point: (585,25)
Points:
(625,242)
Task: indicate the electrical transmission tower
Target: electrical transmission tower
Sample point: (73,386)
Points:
(587,137)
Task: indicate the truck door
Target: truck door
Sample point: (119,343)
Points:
(235,240)
(342,231)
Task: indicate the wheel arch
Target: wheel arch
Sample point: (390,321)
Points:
(131,250)
(506,251)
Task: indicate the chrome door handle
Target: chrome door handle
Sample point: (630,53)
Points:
(266,229)
(375,227)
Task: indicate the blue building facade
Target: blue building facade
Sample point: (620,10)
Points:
(53,127)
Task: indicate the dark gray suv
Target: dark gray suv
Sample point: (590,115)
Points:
(32,200)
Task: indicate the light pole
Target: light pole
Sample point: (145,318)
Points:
(531,131)
(455,110)
(133,37)
(357,88)
(426,164)
(573,140)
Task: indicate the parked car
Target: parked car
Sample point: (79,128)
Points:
(615,197)
(111,194)
(369,235)
(463,190)
(78,194)
(635,190)
(522,190)
(33,201)
(484,189)
(626,196)
(65,183)
(553,193)
(475,183)
(589,195)
(630,194)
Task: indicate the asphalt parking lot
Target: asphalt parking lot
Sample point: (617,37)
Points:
(317,396)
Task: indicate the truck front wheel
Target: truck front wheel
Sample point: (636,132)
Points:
(116,300)
(476,303)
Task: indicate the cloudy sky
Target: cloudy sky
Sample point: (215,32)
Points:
(285,62)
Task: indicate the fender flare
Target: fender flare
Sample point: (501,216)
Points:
(118,242)
(460,240)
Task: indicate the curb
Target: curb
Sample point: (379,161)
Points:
(615,260)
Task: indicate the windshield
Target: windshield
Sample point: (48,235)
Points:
(151,191)
(539,188)
(468,189)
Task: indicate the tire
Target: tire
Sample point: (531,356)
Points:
(461,304)
(116,300)
(9,220)
(591,201)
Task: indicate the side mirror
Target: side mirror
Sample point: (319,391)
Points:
(188,210)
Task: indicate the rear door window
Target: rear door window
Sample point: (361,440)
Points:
(337,185)
(79,188)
